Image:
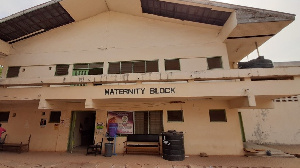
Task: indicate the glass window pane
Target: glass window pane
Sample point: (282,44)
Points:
(114,68)
(172,64)
(217,115)
(152,66)
(139,67)
(215,62)
(126,67)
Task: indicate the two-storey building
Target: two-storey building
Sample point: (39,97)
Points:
(70,67)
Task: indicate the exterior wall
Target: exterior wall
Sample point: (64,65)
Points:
(273,126)
(27,121)
(111,37)
(200,135)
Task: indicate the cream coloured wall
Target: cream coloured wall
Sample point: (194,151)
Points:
(27,121)
(273,126)
(200,135)
(114,36)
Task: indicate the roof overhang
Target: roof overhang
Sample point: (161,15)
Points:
(240,27)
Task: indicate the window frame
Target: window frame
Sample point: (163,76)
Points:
(53,119)
(86,70)
(210,58)
(11,74)
(2,114)
(67,73)
(166,66)
(179,120)
(224,118)
(132,64)
(148,121)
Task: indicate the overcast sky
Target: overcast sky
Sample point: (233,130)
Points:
(284,46)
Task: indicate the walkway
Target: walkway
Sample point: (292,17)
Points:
(79,160)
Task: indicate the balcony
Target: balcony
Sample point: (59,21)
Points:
(242,88)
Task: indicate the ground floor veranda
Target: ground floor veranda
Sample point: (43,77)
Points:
(78,103)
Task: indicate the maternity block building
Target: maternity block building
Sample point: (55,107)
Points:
(70,67)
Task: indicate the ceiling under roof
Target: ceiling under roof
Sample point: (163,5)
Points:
(34,22)
(185,12)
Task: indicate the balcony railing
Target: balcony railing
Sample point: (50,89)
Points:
(258,74)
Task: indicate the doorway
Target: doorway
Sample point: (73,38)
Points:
(242,127)
(82,129)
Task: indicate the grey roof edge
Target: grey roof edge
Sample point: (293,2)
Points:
(287,64)
(29,10)
(243,11)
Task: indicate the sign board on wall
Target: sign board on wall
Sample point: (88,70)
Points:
(124,119)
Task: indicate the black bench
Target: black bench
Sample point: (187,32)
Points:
(95,148)
(2,142)
(20,147)
(142,143)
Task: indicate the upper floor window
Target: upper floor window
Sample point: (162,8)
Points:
(173,64)
(132,67)
(13,71)
(214,62)
(62,69)
(88,69)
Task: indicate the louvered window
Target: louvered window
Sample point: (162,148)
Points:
(141,122)
(55,117)
(152,66)
(175,115)
(88,69)
(126,67)
(13,72)
(139,67)
(215,62)
(132,67)
(172,65)
(4,116)
(114,68)
(217,115)
(155,122)
(62,69)
(148,122)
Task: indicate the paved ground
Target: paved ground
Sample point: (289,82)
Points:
(79,160)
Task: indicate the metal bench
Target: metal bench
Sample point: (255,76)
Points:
(142,143)
(95,148)
(20,147)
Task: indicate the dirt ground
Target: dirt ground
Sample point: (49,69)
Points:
(78,159)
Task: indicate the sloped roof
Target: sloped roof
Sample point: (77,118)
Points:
(36,21)
(250,24)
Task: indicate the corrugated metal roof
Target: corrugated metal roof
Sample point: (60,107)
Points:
(34,22)
(185,12)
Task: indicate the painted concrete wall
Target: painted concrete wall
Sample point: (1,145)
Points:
(112,36)
(200,135)
(273,126)
(27,121)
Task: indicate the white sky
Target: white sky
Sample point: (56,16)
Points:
(285,46)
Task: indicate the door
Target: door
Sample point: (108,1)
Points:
(72,132)
(242,127)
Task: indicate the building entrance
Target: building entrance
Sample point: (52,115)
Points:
(81,129)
